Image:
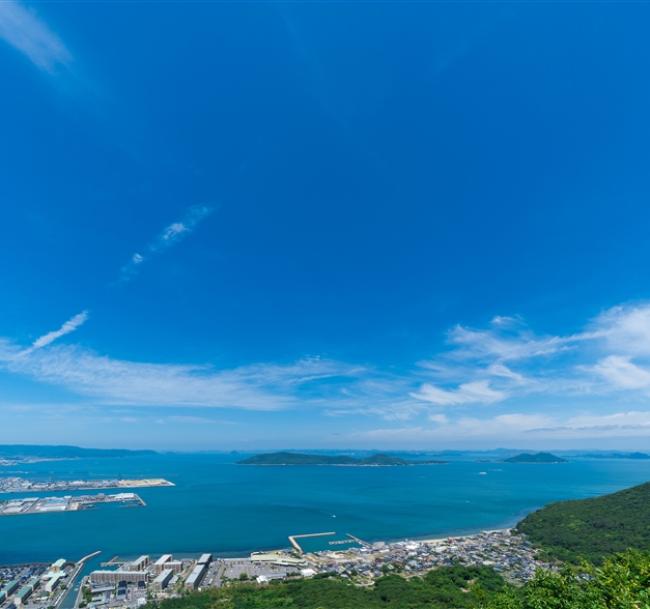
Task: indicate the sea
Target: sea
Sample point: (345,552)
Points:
(219,506)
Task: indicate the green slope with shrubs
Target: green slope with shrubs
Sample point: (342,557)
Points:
(445,588)
(592,528)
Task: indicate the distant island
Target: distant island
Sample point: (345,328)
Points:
(289,458)
(535,458)
(615,455)
(13,454)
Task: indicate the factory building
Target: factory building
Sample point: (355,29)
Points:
(205,559)
(194,580)
(58,565)
(115,577)
(162,581)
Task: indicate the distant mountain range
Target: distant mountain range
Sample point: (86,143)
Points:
(615,455)
(26,451)
(290,458)
(535,458)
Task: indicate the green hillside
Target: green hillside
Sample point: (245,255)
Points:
(592,528)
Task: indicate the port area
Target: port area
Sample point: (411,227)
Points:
(50,505)
(23,485)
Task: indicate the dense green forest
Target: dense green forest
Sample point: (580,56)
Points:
(592,528)
(622,582)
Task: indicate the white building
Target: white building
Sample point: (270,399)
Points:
(53,582)
(194,580)
(139,564)
(162,581)
(160,564)
(114,577)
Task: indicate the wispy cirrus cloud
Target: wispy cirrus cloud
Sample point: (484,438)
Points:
(493,368)
(514,428)
(171,235)
(21,28)
(508,360)
(69,326)
(467,393)
(128,383)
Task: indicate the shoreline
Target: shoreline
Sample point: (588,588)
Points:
(235,554)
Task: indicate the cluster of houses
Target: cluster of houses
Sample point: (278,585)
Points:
(507,553)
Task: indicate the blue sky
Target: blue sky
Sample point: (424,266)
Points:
(310,224)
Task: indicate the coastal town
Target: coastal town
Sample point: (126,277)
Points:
(132,583)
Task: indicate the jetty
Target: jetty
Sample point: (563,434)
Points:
(293,539)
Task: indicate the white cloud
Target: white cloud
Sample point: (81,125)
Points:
(170,235)
(123,382)
(620,372)
(69,326)
(515,428)
(490,344)
(507,360)
(625,329)
(475,392)
(505,320)
(21,28)
(505,425)
(606,361)
(173,231)
(502,371)
(633,423)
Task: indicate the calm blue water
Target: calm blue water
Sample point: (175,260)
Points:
(222,507)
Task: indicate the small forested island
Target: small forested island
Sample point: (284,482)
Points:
(290,458)
(535,458)
(592,528)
